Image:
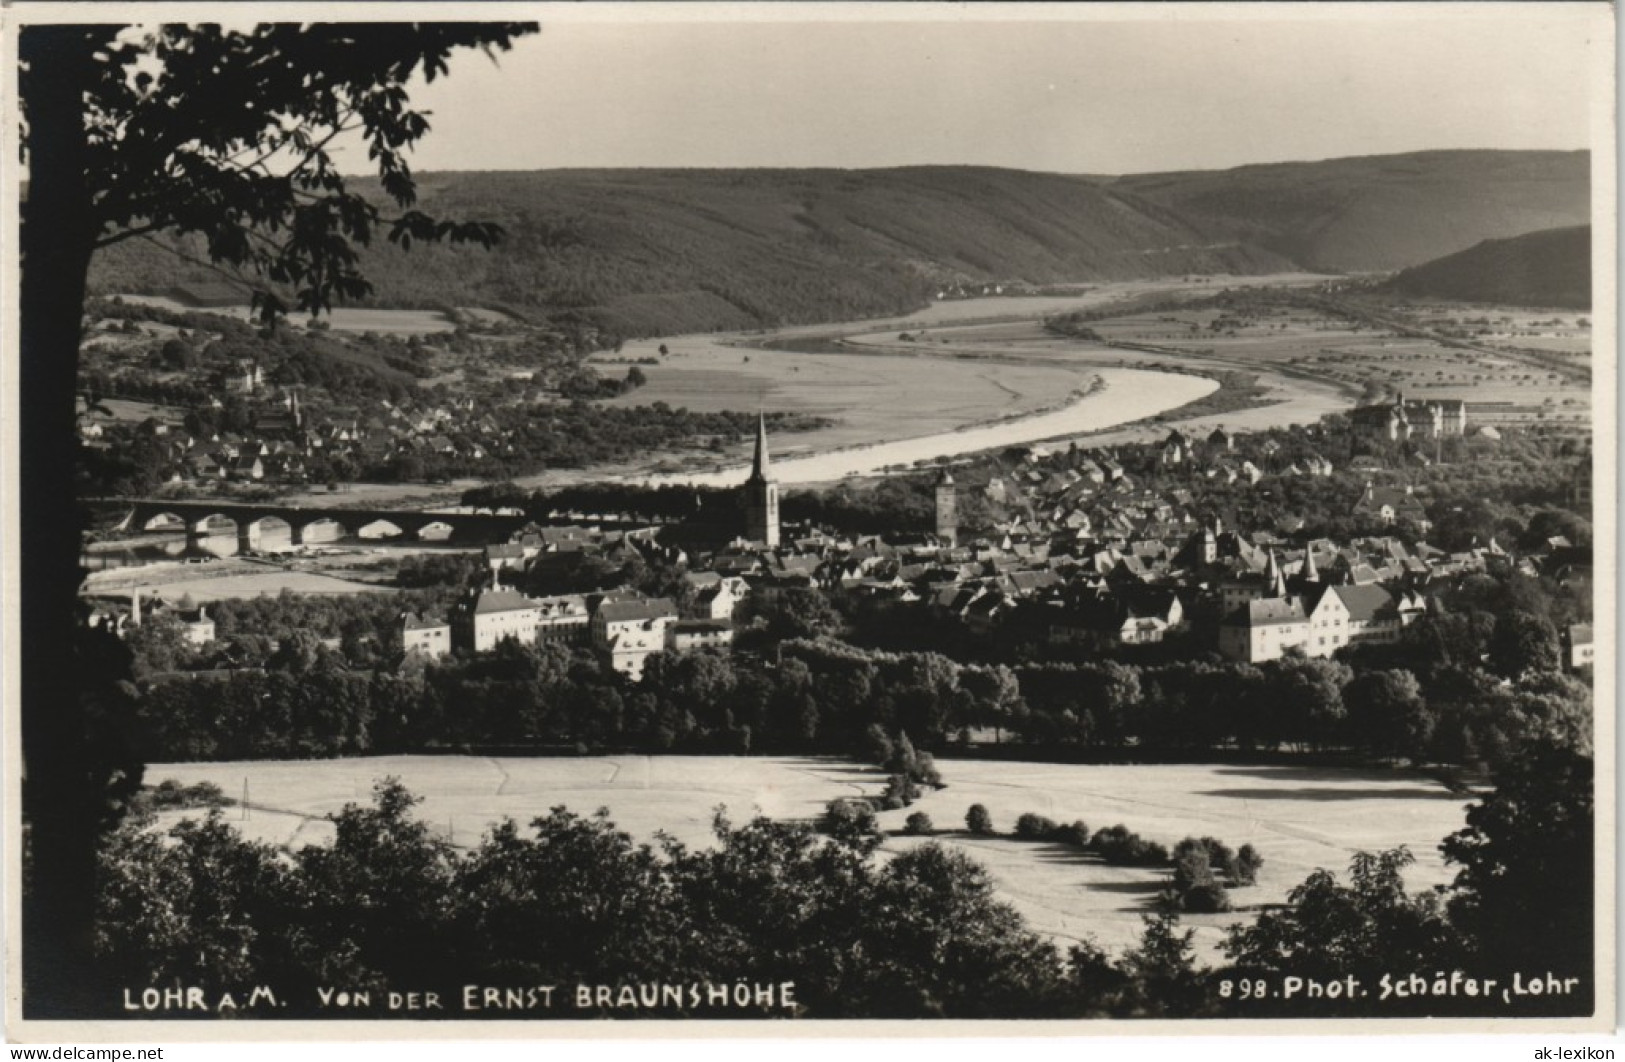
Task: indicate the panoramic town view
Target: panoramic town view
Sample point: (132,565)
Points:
(529,581)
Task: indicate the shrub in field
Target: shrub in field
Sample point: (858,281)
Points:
(1219,855)
(901,791)
(1211,898)
(1075,832)
(1120,846)
(902,758)
(977,820)
(919,825)
(1245,871)
(1196,888)
(1031,827)
(847,820)
(1195,885)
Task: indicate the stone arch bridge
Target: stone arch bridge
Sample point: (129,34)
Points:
(254,519)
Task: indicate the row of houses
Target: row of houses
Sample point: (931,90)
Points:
(283,442)
(623,627)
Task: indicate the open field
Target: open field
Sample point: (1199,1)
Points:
(1120,395)
(1298,818)
(232,580)
(128,409)
(464,794)
(959,311)
(1511,389)
(342,318)
(898,390)
(873,398)
(1290,398)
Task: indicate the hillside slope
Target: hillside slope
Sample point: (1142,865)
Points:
(646,252)
(1382,212)
(1551,268)
(650,251)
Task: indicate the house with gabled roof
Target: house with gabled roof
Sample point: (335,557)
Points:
(428,635)
(1264,629)
(629,631)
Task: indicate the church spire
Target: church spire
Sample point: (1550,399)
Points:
(758,468)
(761,495)
(1273,574)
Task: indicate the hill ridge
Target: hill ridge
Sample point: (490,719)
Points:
(1546,269)
(667,250)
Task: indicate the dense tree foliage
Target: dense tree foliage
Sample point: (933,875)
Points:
(572,899)
(1524,897)
(1522,904)
(174,128)
(791,686)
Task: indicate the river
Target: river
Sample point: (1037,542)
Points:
(1124,395)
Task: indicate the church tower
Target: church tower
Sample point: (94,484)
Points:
(947,510)
(1274,576)
(761,495)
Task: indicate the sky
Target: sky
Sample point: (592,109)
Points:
(1125,90)
(1109,89)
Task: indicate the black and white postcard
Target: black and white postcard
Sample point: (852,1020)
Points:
(762,517)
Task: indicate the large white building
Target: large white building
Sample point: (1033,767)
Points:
(494,615)
(628,632)
(564,618)
(1319,623)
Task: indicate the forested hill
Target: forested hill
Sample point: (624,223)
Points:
(662,251)
(647,252)
(1551,268)
(1379,212)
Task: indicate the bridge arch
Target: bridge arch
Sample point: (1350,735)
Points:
(435,531)
(214,524)
(216,534)
(322,529)
(267,533)
(380,528)
(163,521)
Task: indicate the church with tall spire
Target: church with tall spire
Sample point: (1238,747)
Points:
(762,494)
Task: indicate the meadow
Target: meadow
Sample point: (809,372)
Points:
(229,579)
(341,319)
(872,398)
(1500,388)
(1298,818)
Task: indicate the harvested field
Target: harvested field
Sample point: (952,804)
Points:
(342,318)
(176,581)
(1116,395)
(1298,818)
(465,794)
(873,398)
(1290,397)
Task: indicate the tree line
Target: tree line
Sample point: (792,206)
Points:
(800,691)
